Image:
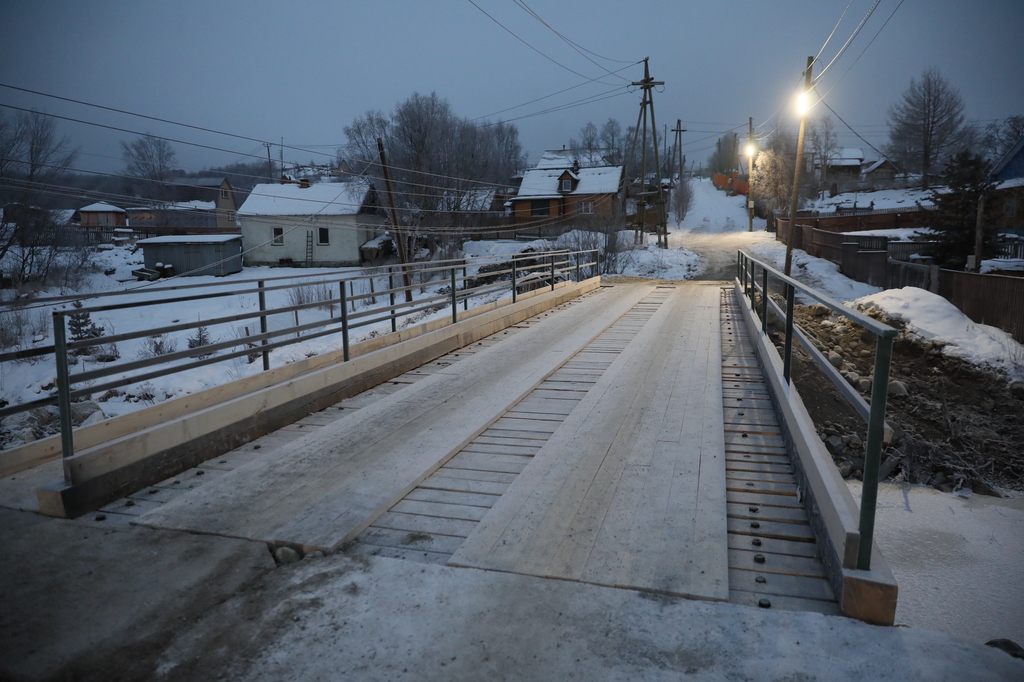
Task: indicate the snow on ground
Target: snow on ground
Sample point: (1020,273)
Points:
(714,211)
(1005,264)
(936,320)
(883,198)
(900,234)
(816,273)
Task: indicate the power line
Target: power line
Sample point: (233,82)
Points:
(849,40)
(833,31)
(550,59)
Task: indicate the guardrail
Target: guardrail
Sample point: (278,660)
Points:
(543,269)
(757,278)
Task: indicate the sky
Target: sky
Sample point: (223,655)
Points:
(303,71)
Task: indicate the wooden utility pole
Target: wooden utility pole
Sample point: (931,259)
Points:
(750,174)
(678,149)
(270,164)
(796,171)
(647,103)
(399,237)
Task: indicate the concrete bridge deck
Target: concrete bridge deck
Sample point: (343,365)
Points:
(623,439)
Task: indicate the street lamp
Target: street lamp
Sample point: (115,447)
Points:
(802,109)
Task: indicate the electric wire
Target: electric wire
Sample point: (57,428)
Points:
(849,40)
(833,31)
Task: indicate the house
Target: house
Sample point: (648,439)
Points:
(881,172)
(193,255)
(844,165)
(181,218)
(99,221)
(1009,199)
(321,225)
(216,190)
(568,191)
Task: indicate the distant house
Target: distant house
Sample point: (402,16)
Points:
(216,190)
(100,220)
(180,218)
(568,191)
(845,165)
(193,255)
(1009,199)
(321,225)
(881,172)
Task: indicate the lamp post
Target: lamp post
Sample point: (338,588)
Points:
(802,107)
(750,184)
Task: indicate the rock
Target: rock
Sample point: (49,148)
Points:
(314,555)
(987,405)
(886,467)
(834,444)
(845,468)
(864,385)
(835,359)
(27,435)
(852,378)
(980,487)
(818,310)
(83,410)
(866,353)
(44,415)
(1017,390)
(867,336)
(286,555)
(855,442)
(94,418)
(897,388)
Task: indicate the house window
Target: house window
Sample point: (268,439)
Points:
(567,185)
(278,236)
(585,207)
(223,194)
(540,207)
(323,236)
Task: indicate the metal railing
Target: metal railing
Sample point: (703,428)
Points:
(757,277)
(535,270)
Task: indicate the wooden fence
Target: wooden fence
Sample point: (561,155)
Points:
(995,300)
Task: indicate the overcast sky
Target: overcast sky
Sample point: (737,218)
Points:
(302,71)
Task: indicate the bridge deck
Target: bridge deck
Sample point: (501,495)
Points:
(588,444)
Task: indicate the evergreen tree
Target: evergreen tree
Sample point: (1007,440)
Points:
(956,210)
(82,327)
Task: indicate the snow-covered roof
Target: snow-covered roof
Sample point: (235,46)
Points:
(565,158)
(101,207)
(873,166)
(542,183)
(191,239)
(848,156)
(325,198)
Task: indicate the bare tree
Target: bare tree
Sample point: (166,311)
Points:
(682,199)
(150,160)
(36,155)
(825,143)
(926,125)
(589,139)
(613,140)
(1000,136)
(772,184)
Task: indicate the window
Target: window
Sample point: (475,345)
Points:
(223,194)
(278,236)
(323,236)
(540,207)
(567,185)
(585,207)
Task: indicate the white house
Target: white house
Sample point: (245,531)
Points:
(319,225)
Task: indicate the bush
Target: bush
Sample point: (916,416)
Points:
(158,345)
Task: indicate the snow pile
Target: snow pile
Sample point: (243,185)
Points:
(933,319)
(1004,264)
(500,247)
(817,273)
(884,198)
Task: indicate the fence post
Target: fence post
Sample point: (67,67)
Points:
(455,300)
(552,272)
(60,351)
(344,323)
(263,325)
(873,452)
(579,257)
(764,300)
(514,279)
(787,358)
(597,259)
(465,285)
(391,294)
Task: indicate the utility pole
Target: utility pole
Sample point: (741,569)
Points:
(750,174)
(678,144)
(799,167)
(647,103)
(979,233)
(270,164)
(399,237)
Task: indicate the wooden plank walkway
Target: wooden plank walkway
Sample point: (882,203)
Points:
(628,491)
(322,490)
(419,526)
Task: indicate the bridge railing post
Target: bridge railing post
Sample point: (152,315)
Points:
(391,297)
(873,452)
(344,322)
(764,300)
(263,325)
(514,276)
(787,358)
(455,300)
(465,285)
(60,351)
(552,272)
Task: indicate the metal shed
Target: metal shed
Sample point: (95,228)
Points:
(213,254)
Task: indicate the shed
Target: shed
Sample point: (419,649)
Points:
(212,254)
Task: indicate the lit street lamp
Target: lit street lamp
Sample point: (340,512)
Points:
(802,109)
(750,178)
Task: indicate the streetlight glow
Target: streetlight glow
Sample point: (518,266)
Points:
(801,103)
(750,150)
